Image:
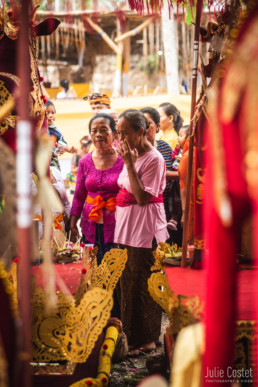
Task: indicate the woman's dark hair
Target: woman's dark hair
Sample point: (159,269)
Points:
(87,144)
(49,103)
(152,112)
(111,120)
(65,84)
(186,128)
(171,110)
(136,119)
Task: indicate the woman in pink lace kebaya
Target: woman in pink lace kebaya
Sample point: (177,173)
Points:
(140,223)
(96,188)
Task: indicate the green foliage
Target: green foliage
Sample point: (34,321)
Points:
(150,65)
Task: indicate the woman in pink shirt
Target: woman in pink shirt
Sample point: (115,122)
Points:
(140,219)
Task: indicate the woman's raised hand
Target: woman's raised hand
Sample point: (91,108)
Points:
(129,156)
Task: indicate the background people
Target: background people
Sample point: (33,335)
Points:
(66,92)
(170,123)
(98,102)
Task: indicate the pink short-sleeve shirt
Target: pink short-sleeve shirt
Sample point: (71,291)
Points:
(137,225)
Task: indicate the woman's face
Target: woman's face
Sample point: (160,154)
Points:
(101,133)
(165,121)
(181,137)
(126,132)
(152,129)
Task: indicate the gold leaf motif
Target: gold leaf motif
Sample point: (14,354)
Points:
(69,333)
(181,310)
(107,274)
(7,26)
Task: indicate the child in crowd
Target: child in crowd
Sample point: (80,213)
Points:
(176,157)
(60,145)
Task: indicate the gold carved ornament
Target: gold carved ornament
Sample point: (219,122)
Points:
(104,276)
(70,332)
(8,193)
(5,95)
(9,287)
(163,251)
(107,274)
(8,26)
(180,310)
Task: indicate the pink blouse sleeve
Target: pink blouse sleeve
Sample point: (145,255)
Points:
(175,153)
(153,176)
(80,193)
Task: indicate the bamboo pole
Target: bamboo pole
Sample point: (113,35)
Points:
(127,58)
(24,207)
(191,140)
(151,37)
(119,65)
(104,36)
(134,31)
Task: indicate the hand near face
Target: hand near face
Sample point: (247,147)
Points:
(129,156)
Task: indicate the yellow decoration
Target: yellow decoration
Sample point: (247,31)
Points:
(163,251)
(107,274)
(5,95)
(107,352)
(71,331)
(180,310)
(7,26)
(105,357)
(10,283)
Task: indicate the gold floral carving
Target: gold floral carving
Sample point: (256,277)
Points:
(199,244)
(180,310)
(163,251)
(245,338)
(37,106)
(107,274)
(71,331)
(10,120)
(7,26)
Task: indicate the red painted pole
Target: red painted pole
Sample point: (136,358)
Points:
(24,218)
(191,140)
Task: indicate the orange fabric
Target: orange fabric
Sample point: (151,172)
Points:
(182,171)
(103,99)
(98,204)
(182,168)
(36,216)
(57,221)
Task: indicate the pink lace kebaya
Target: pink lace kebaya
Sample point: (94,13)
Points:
(94,182)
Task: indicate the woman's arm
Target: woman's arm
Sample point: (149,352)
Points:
(141,196)
(79,198)
(73,228)
(172,175)
(129,158)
